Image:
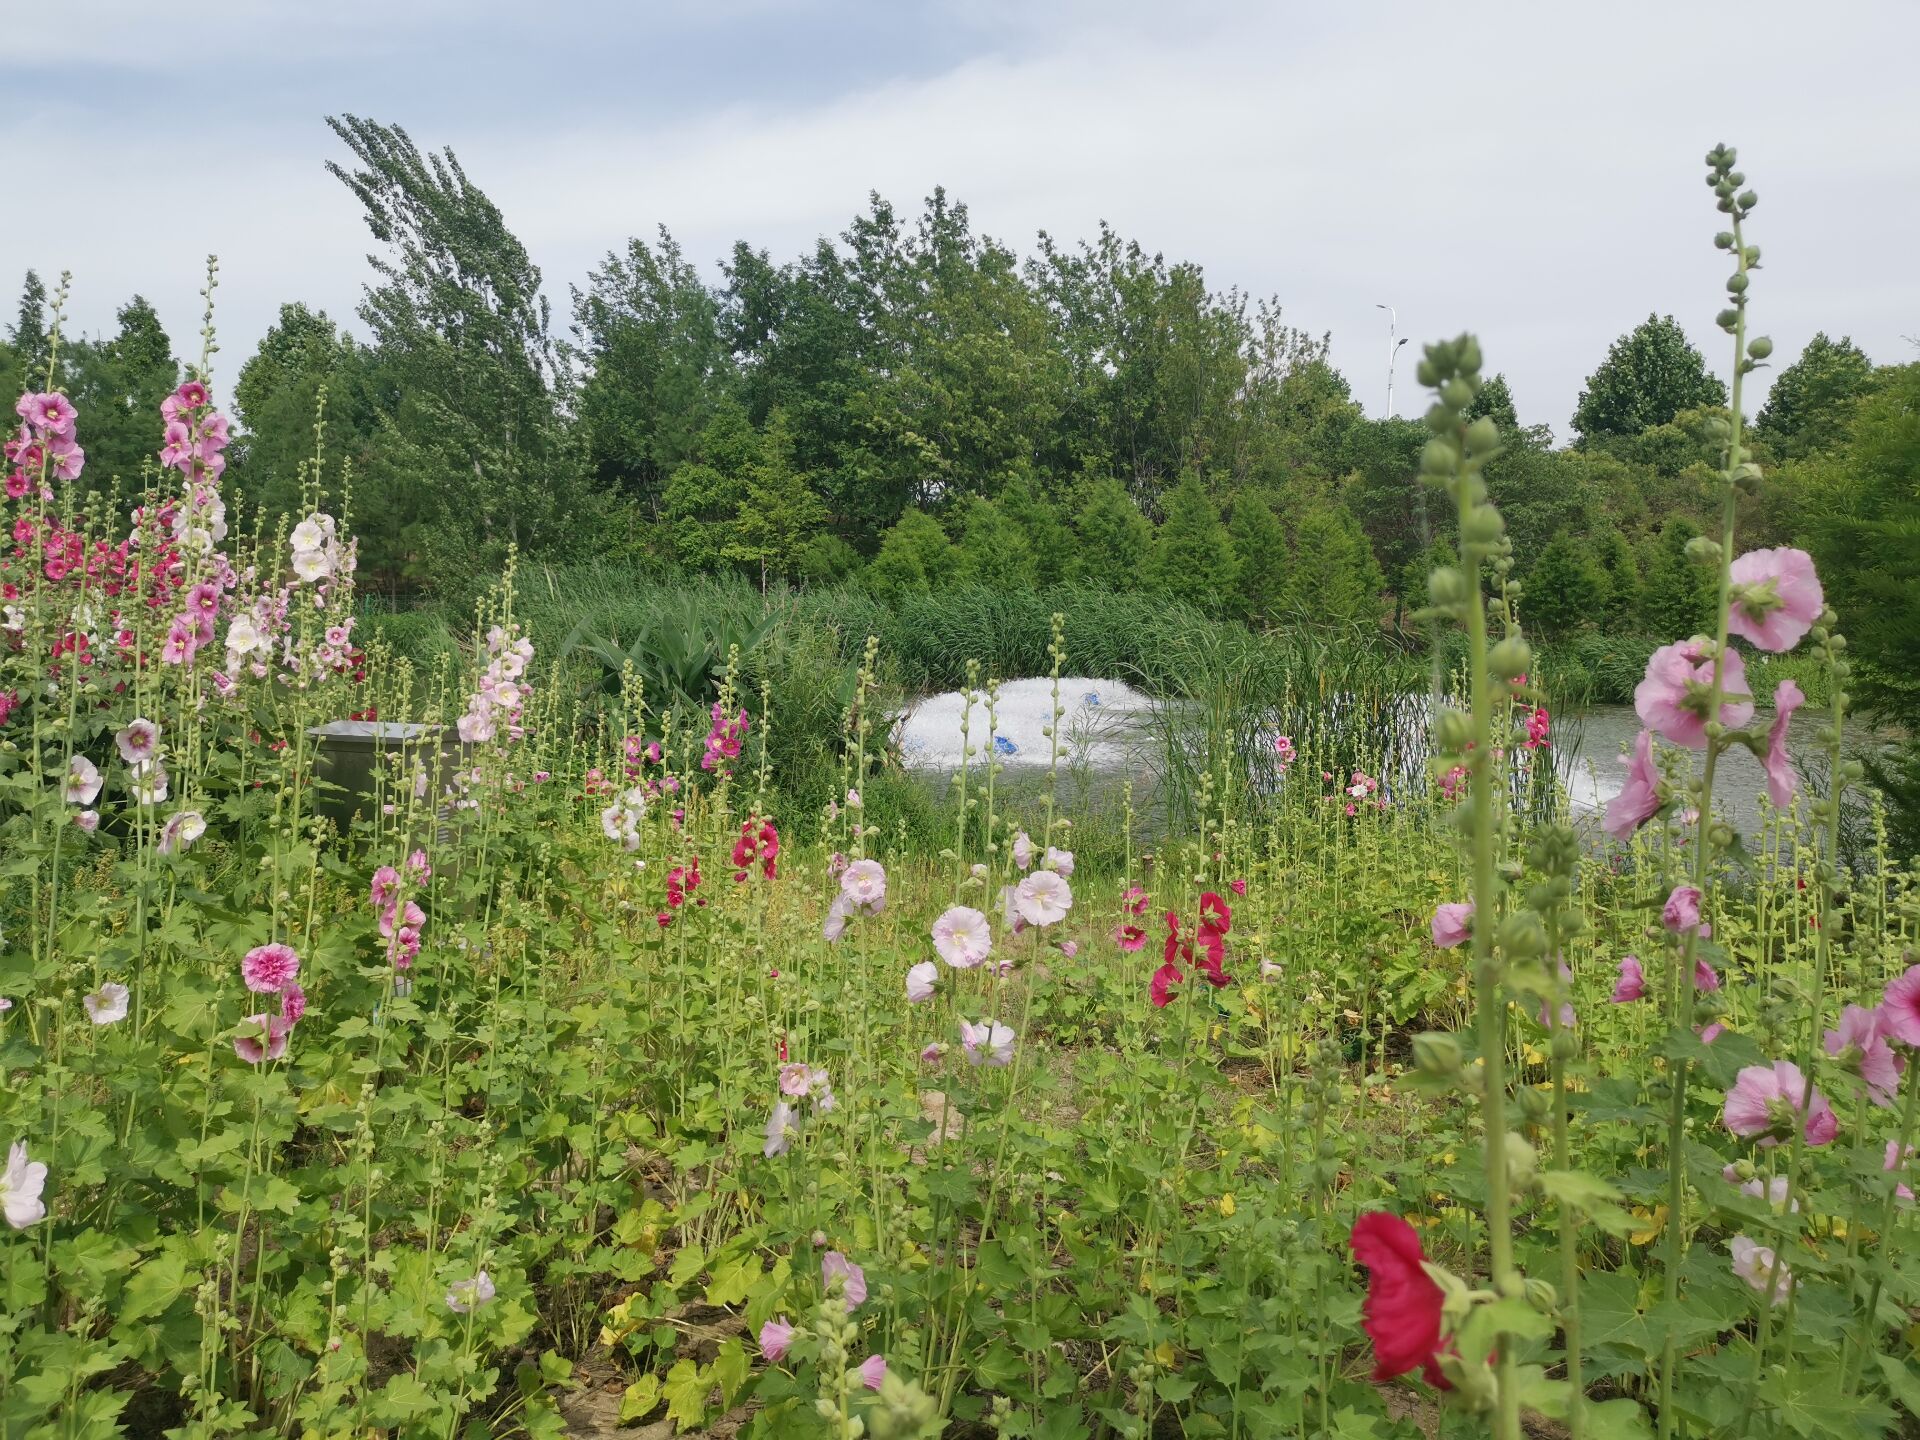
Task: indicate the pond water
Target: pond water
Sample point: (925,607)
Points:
(1108,730)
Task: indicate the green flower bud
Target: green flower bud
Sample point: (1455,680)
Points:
(1533,1104)
(1521,936)
(1440,456)
(1447,587)
(1736,284)
(1724,240)
(1760,347)
(1468,355)
(1511,657)
(1727,319)
(1703,550)
(1483,436)
(1521,1161)
(1437,1054)
(1747,198)
(1564,1045)
(1482,526)
(1457,393)
(1452,730)
(1426,374)
(1542,1296)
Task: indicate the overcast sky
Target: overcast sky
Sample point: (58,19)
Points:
(1530,170)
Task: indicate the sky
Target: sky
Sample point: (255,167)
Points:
(1531,170)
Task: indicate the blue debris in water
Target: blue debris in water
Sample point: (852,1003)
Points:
(1092,697)
(1005,746)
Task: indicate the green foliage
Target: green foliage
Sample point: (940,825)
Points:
(993,548)
(120,384)
(1811,404)
(1115,546)
(1335,582)
(1676,594)
(1193,557)
(1649,376)
(915,556)
(1565,590)
(1261,555)
(777,515)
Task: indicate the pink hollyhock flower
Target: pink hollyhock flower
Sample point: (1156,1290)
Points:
(1452,924)
(1641,797)
(269,969)
(1632,984)
(921,980)
(1897,1160)
(88,820)
(1760,1268)
(269,1044)
(21,1185)
(961,937)
(140,741)
(836,923)
(1131,938)
(107,1005)
(1674,697)
(873,1371)
(1776,598)
(1704,976)
(1060,861)
(1711,1033)
(1781,781)
(68,459)
(781,1128)
(1538,725)
(1043,898)
(1160,987)
(1022,849)
(466,1296)
(1238,887)
(853,1280)
(930,1054)
(421,870)
(1777,1193)
(1134,902)
(190,395)
(83,781)
(775,1338)
(865,885)
(796,1080)
(1069,948)
(1681,913)
(988,1043)
(1860,1044)
(1900,1008)
(293,1004)
(1766,1101)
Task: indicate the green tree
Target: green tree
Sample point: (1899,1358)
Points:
(1495,401)
(468,413)
(993,549)
(915,558)
(117,386)
(705,494)
(1048,537)
(778,516)
(1564,589)
(1116,540)
(1260,546)
(1676,595)
(27,339)
(1620,570)
(1193,558)
(1335,582)
(1649,376)
(1811,404)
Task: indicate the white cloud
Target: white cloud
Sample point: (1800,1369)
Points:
(1532,176)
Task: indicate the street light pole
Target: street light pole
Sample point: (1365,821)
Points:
(1393,348)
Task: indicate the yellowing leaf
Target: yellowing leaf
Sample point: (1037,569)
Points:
(1657,1221)
(638,1400)
(1227,1206)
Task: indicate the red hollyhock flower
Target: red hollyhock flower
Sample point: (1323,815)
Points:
(1160,989)
(1401,1313)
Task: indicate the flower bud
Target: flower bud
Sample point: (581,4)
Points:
(1703,550)
(1510,658)
(1724,240)
(1436,1053)
(1426,374)
(1760,347)
(1483,526)
(1452,731)
(1533,1104)
(1447,587)
(1521,1161)
(1483,436)
(1737,284)
(1542,1296)
(1727,319)
(1468,355)
(1440,457)
(1457,393)
(1521,936)
(1747,199)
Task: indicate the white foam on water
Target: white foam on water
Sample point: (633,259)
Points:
(1100,724)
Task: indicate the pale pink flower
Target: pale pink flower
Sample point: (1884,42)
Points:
(1711,1033)
(853,1280)
(1900,1008)
(961,937)
(775,1338)
(1760,1268)
(796,1080)
(385,886)
(1022,849)
(1776,597)
(465,1296)
(180,831)
(865,885)
(1632,984)
(837,913)
(82,783)
(873,1371)
(1059,861)
(107,1005)
(1766,1101)
(1069,948)
(1674,697)
(1897,1160)
(782,1126)
(921,980)
(1705,978)
(1452,924)
(1777,1193)
(1043,898)
(1681,913)
(1641,797)
(140,741)
(269,969)
(1860,1043)
(88,820)
(269,1044)
(931,1054)
(293,1004)
(21,1185)
(988,1043)
(1781,781)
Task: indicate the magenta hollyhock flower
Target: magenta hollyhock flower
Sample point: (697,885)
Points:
(1641,797)
(1131,938)
(1776,598)
(1237,886)
(1860,1043)
(873,1371)
(1674,697)
(1160,987)
(1766,1101)
(961,937)
(1705,978)
(269,969)
(1134,902)
(1452,924)
(1781,781)
(1711,1033)
(269,1044)
(1681,913)
(1900,1008)
(921,980)
(1069,948)
(835,1266)
(1632,984)
(293,1004)
(775,1338)
(1043,898)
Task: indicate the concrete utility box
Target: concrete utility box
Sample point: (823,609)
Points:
(354,756)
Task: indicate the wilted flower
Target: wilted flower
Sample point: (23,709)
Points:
(961,937)
(1781,781)
(107,1005)
(20,1188)
(1641,797)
